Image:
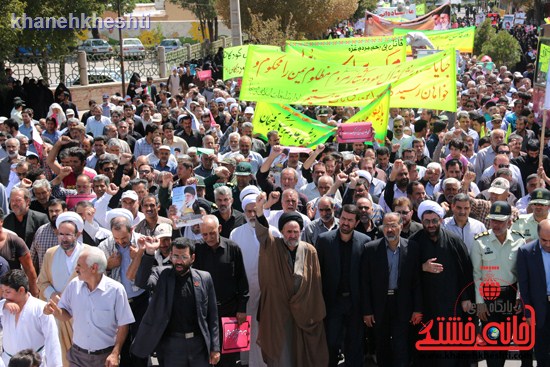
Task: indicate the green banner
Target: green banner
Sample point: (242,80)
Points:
(461,38)
(544,57)
(377,112)
(420,9)
(234,59)
(358,51)
(290,78)
(295,129)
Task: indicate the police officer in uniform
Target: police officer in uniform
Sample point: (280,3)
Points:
(493,257)
(527,223)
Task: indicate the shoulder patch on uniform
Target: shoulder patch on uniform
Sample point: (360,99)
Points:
(518,233)
(481,235)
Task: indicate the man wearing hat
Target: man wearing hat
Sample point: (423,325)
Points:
(494,255)
(446,269)
(130,201)
(120,248)
(58,268)
(527,223)
(166,161)
(107,106)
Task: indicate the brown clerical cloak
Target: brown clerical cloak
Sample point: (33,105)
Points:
(290,293)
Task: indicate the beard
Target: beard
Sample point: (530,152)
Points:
(251,222)
(291,243)
(67,245)
(13,154)
(181,269)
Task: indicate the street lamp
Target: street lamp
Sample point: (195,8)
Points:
(121,52)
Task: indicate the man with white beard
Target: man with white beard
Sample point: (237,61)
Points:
(245,237)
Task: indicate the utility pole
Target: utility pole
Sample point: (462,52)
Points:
(121,53)
(236,33)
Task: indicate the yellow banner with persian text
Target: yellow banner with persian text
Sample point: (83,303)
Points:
(357,51)
(290,78)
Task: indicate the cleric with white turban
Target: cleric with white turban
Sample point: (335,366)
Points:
(431,206)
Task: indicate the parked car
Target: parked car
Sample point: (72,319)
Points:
(97,48)
(100,75)
(133,48)
(170,44)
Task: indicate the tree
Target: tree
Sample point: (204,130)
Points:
(53,44)
(311,17)
(8,35)
(363,6)
(205,12)
(503,48)
(484,33)
(269,32)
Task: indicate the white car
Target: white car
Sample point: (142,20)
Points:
(96,47)
(133,48)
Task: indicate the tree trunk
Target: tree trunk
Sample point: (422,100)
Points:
(62,69)
(42,64)
(216,36)
(211,30)
(538,12)
(95,33)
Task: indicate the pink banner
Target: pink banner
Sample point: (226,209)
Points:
(204,74)
(236,338)
(358,132)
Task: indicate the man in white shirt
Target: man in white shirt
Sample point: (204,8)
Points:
(100,311)
(97,122)
(460,223)
(25,326)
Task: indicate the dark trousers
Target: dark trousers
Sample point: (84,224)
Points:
(139,306)
(227,359)
(542,341)
(344,327)
(392,348)
(499,310)
(181,352)
(77,358)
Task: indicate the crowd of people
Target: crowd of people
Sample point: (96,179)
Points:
(342,252)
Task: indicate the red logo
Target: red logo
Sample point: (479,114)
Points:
(460,334)
(489,289)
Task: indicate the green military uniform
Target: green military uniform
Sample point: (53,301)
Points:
(490,256)
(527,226)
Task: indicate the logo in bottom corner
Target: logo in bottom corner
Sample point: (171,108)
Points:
(457,333)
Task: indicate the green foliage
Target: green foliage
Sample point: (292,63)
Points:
(311,17)
(503,48)
(484,34)
(8,35)
(205,12)
(364,5)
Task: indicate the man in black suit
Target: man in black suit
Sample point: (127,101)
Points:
(182,327)
(223,259)
(533,262)
(390,286)
(22,220)
(339,254)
